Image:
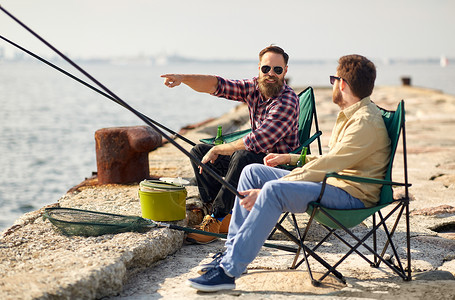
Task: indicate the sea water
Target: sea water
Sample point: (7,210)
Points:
(48,120)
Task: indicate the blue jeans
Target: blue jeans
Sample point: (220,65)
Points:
(248,230)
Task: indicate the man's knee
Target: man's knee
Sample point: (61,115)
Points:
(270,192)
(271,186)
(251,174)
(250,170)
(274,189)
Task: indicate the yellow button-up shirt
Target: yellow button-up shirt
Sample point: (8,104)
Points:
(359,146)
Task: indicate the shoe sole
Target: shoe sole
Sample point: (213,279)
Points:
(204,270)
(210,288)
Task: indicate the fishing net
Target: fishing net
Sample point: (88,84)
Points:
(71,221)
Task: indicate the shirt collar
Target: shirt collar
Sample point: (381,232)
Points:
(348,112)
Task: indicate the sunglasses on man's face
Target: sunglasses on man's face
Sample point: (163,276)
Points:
(265,69)
(333,78)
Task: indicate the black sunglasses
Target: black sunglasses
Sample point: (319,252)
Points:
(265,69)
(333,78)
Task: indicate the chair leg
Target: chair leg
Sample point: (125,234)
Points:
(353,248)
(332,231)
(375,246)
(313,281)
(279,222)
(393,230)
(399,268)
(319,259)
(295,266)
(408,241)
(399,272)
(312,252)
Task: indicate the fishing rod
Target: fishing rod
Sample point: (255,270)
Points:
(91,87)
(131,109)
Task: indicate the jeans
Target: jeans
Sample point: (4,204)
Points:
(227,166)
(248,230)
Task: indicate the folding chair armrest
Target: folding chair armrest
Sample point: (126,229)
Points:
(229,137)
(308,142)
(299,149)
(365,179)
(357,179)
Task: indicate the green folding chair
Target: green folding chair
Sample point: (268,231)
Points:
(306,117)
(342,220)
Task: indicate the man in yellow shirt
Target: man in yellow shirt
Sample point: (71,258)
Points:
(359,146)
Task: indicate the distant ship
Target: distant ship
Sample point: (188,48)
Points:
(443,61)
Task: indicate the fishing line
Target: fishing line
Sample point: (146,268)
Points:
(127,106)
(92,87)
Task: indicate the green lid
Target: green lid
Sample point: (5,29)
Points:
(160,185)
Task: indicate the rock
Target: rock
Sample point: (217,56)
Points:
(431,211)
(38,262)
(433,275)
(448,180)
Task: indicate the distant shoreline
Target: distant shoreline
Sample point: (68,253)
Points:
(176,59)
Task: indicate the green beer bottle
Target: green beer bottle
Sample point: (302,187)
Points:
(301,160)
(219,138)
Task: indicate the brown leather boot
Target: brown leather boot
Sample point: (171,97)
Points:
(224,227)
(209,224)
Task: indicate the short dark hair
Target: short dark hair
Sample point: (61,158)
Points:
(359,72)
(274,49)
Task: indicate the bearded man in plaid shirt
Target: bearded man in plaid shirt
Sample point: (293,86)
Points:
(274,113)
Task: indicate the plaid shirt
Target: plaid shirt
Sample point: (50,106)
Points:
(274,122)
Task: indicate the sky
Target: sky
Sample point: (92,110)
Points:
(234,29)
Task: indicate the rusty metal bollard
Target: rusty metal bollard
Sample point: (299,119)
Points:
(122,153)
(406,81)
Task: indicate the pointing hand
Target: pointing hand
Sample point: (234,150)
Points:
(172,80)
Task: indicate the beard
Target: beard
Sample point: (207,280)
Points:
(270,89)
(337,97)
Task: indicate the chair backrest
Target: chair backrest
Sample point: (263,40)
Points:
(394,122)
(306,117)
(307,114)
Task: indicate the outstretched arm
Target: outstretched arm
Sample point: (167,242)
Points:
(199,83)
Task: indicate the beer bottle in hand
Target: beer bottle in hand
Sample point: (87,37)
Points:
(301,160)
(219,138)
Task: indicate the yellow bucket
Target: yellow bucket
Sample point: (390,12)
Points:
(162,201)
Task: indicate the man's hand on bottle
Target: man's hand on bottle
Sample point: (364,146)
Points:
(275,159)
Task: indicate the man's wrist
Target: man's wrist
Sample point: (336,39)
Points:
(293,159)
